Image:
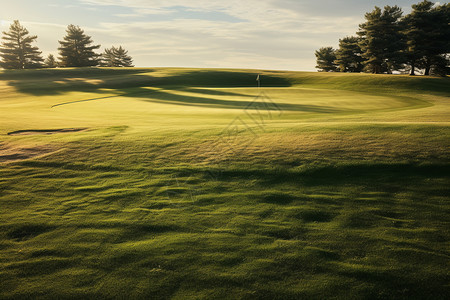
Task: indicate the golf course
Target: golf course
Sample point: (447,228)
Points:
(178,183)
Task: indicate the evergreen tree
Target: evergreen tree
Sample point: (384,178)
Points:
(16,49)
(326,57)
(349,55)
(122,57)
(439,48)
(77,50)
(427,32)
(441,65)
(107,58)
(382,40)
(417,24)
(116,57)
(50,61)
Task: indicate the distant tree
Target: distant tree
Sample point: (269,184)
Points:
(417,26)
(437,54)
(107,58)
(50,61)
(427,31)
(382,41)
(77,50)
(16,50)
(326,57)
(116,57)
(122,57)
(440,65)
(349,55)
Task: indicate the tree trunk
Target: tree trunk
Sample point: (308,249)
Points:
(377,69)
(413,68)
(374,69)
(427,67)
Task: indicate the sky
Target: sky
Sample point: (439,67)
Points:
(258,34)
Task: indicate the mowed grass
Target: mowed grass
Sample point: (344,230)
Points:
(193,183)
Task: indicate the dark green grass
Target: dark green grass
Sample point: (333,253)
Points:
(364,230)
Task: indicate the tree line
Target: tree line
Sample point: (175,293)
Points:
(76,50)
(389,41)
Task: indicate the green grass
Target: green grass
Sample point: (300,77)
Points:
(186,184)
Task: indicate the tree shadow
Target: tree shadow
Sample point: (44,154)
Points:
(50,82)
(256,103)
(68,73)
(145,85)
(212,92)
(169,96)
(58,81)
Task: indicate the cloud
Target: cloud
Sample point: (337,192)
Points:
(146,12)
(279,34)
(264,31)
(224,44)
(260,11)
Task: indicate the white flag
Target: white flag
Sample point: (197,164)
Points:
(257,78)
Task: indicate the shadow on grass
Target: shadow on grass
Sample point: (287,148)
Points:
(23,232)
(337,175)
(164,97)
(396,285)
(59,81)
(167,96)
(133,83)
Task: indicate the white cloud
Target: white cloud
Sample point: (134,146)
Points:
(265,30)
(267,34)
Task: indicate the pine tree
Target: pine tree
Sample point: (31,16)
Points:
(427,32)
(439,48)
(418,24)
(326,57)
(116,57)
(77,50)
(349,55)
(107,58)
(382,40)
(122,57)
(441,65)
(16,49)
(50,61)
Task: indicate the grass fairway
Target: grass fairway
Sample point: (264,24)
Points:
(191,183)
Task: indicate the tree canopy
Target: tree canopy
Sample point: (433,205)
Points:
(427,31)
(16,49)
(388,41)
(349,55)
(116,57)
(77,49)
(50,61)
(382,39)
(326,57)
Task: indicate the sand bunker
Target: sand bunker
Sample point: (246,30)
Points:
(45,131)
(13,153)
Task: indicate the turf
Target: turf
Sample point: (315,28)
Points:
(195,184)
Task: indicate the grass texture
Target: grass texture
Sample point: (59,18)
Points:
(195,184)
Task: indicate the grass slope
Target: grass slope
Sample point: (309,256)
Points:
(192,183)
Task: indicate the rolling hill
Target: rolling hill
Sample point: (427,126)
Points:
(194,183)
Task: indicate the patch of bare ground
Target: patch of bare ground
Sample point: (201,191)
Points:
(14,153)
(45,131)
